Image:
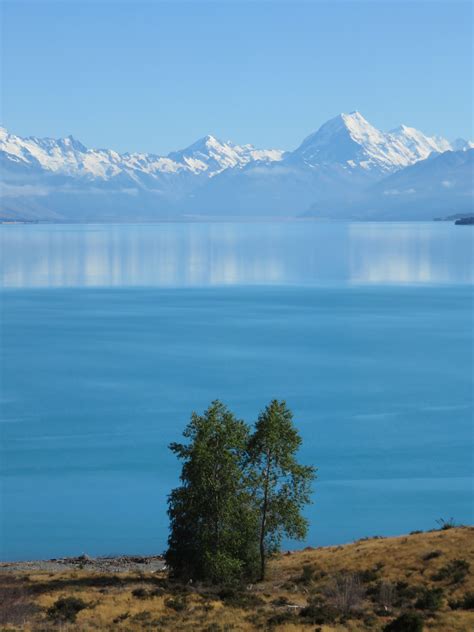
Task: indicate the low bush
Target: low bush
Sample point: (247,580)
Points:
(144,618)
(430,599)
(444,525)
(282,618)
(345,593)
(319,612)
(66,609)
(368,575)
(465,603)
(307,574)
(386,595)
(16,607)
(406,622)
(454,572)
(179,604)
(405,593)
(142,593)
(370,620)
(215,627)
(121,617)
(280,601)
(431,555)
(235,598)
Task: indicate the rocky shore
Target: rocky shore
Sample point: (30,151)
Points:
(118,564)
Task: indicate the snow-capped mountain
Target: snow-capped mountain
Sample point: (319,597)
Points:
(330,169)
(350,140)
(211,156)
(63,179)
(68,156)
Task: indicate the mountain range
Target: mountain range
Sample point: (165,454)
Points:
(346,169)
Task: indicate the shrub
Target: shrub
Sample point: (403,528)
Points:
(215,627)
(406,622)
(431,555)
(466,603)
(444,525)
(142,593)
(405,593)
(121,617)
(386,595)
(16,606)
(368,575)
(179,604)
(369,620)
(454,571)
(307,574)
(280,601)
(239,599)
(280,618)
(346,593)
(430,599)
(319,612)
(66,609)
(142,617)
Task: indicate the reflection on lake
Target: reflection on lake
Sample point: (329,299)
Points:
(207,254)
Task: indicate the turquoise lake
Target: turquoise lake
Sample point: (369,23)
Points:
(112,335)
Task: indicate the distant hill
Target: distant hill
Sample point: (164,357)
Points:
(334,170)
(440,185)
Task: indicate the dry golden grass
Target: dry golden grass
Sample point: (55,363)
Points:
(111,604)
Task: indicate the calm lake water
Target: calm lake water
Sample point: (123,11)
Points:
(112,335)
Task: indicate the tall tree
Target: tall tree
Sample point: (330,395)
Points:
(213,522)
(281,485)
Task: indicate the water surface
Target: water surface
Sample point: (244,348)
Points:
(111,335)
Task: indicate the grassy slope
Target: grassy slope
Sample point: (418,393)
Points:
(393,560)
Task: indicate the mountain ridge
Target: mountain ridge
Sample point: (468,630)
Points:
(62,178)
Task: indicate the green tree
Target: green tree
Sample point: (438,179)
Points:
(281,486)
(213,522)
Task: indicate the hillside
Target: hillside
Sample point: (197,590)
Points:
(359,586)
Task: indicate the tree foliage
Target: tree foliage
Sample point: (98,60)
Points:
(211,514)
(240,493)
(281,485)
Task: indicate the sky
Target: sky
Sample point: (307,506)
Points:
(156,76)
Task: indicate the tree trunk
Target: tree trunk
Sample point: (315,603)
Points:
(264,518)
(262,551)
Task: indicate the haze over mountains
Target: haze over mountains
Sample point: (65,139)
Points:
(346,169)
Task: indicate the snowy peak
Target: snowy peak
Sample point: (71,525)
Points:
(346,144)
(211,155)
(419,145)
(68,156)
(351,141)
(351,126)
(333,168)
(360,129)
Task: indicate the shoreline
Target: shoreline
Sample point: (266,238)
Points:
(157,564)
(102,564)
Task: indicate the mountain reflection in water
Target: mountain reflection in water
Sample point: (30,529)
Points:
(212,254)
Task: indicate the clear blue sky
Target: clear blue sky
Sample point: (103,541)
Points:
(155,76)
